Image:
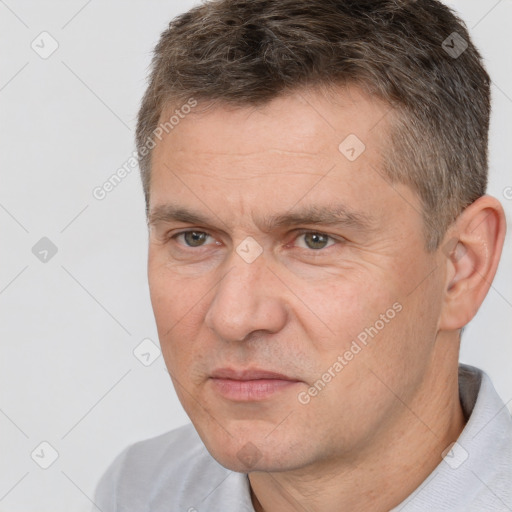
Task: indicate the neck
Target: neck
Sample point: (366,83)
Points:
(386,473)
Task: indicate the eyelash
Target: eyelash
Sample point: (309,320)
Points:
(298,234)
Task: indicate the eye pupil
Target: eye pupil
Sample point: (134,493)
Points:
(315,240)
(194,238)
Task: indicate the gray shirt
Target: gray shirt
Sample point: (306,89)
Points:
(175,473)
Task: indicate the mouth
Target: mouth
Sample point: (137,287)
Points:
(251,384)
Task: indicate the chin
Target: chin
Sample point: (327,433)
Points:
(249,453)
(249,460)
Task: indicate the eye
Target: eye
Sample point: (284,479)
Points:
(311,239)
(192,238)
(314,240)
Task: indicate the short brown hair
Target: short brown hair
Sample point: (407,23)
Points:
(417,56)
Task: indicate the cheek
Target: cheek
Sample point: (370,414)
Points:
(172,294)
(400,353)
(178,303)
(341,309)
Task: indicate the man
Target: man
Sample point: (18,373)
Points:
(315,176)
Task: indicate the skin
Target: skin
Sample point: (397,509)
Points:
(380,425)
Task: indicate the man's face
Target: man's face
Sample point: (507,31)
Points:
(298,311)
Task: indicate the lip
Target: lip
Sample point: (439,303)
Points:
(248,374)
(250,384)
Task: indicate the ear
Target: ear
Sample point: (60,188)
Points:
(471,252)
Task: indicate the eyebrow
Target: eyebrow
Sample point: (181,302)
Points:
(333,215)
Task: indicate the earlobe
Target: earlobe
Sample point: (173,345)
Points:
(471,253)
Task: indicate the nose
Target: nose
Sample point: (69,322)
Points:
(246,300)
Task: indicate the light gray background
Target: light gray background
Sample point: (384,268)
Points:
(68,375)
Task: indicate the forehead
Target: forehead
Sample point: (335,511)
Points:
(306,121)
(307,149)
(256,170)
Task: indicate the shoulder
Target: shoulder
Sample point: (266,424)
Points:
(488,441)
(476,472)
(170,471)
(169,450)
